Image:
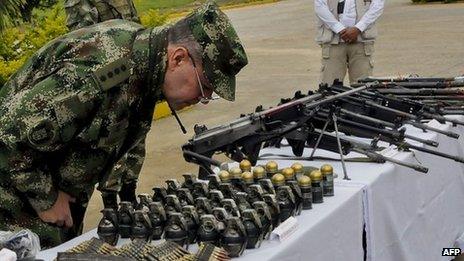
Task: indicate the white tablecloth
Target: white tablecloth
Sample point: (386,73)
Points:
(331,229)
(408,215)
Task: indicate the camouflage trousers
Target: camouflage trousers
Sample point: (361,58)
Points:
(16,213)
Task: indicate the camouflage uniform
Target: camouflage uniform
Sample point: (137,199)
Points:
(82,13)
(124,176)
(86,99)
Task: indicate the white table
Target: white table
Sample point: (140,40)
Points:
(408,215)
(331,229)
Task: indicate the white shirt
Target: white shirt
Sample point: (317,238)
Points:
(348,17)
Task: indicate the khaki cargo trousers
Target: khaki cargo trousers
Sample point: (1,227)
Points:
(338,58)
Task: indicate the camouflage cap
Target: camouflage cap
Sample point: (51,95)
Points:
(223,53)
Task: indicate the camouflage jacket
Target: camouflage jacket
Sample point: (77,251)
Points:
(82,13)
(77,107)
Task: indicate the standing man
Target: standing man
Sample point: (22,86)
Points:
(82,13)
(85,99)
(346,32)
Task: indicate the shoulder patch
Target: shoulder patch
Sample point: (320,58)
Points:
(112,74)
(43,134)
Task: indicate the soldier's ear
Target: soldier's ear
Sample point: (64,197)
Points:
(179,56)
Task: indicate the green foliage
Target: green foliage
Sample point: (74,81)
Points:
(144,5)
(429,1)
(19,43)
(13,12)
(153,18)
(9,10)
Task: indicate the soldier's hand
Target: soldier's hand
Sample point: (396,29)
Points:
(350,34)
(59,213)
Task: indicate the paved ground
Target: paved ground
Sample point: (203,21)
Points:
(423,39)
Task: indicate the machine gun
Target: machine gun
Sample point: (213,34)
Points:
(397,116)
(417,108)
(413,82)
(436,91)
(243,138)
(354,124)
(391,136)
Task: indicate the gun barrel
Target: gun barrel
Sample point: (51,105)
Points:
(378,156)
(367,118)
(442,118)
(312,101)
(417,84)
(409,79)
(447,98)
(355,115)
(453,111)
(426,127)
(366,149)
(406,115)
(421,92)
(428,142)
(429,151)
(337,96)
(200,157)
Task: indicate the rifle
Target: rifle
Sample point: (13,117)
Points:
(413,81)
(243,138)
(318,138)
(398,117)
(394,137)
(381,124)
(417,108)
(422,91)
(415,85)
(328,142)
(352,124)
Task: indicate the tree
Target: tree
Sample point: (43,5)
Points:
(10,11)
(15,11)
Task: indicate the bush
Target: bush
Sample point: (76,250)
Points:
(19,43)
(429,1)
(153,18)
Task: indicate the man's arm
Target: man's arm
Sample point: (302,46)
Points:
(80,14)
(322,11)
(36,127)
(372,14)
(350,35)
(36,183)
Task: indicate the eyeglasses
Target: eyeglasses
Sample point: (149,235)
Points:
(203,99)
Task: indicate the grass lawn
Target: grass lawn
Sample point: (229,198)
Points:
(171,6)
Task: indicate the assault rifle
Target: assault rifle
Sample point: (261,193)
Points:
(244,137)
(356,124)
(422,91)
(391,136)
(413,82)
(420,110)
(412,79)
(397,115)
